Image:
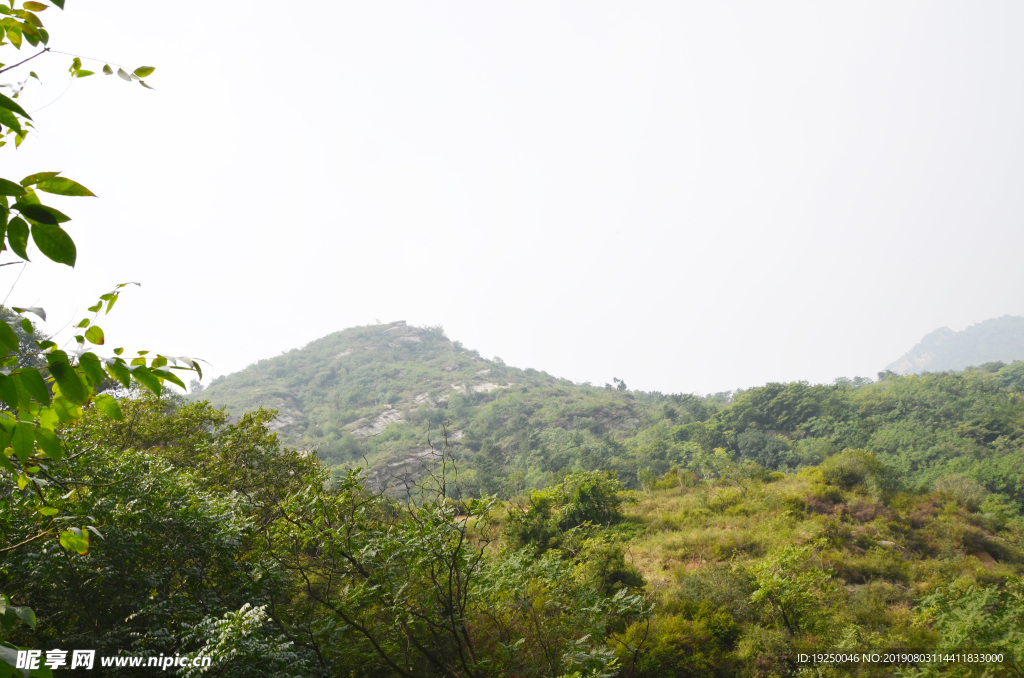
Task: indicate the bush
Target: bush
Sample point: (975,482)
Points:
(853,468)
(965,491)
(591,496)
(695,644)
(771,452)
(607,567)
(532,525)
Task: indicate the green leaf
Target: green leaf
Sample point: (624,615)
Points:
(11,188)
(96,308)
(169,376)
(83,74)
(48,418)
(48,511)
(26,325)
(6,464)
(75,540)
(145,377)
(118,370)
(143,71)
(13,392)
(95,335)
(107,70)
(26,615)
(59,3)
(123,75)
(17,237)
(7,119)
(34,6)
(68,380)
(23,440)
(143,83)
(34,384)
(37,177)
(14,35)
(93,369)
(66,411)
(62,186)
(7,337)
(41,213)
(108,405)
(54,242)
(50,443)
(11,105)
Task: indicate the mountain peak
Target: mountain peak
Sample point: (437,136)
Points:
(996,339)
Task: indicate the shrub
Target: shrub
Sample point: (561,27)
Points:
(607,567)
(696,644)
(591,496)
(852,468)
(965,491)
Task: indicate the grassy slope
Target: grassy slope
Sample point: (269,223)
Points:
(699,549)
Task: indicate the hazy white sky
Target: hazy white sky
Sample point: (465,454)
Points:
(688,196)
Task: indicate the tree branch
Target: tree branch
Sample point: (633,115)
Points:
(45,50)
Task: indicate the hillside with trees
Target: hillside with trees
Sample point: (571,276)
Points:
(374,396)
(994,340)
(386,502)
(512,523)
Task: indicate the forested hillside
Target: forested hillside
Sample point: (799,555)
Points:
(996,339)
(369,395)
(562,530)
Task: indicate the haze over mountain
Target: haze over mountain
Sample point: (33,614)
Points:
(996,339)
(378,395)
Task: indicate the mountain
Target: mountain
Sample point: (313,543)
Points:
(379,396)
(994,340)
(376,393)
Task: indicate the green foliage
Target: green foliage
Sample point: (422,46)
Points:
(696,643)
(792,588)
(45,388)
(241,643)
(987,619)
(852,468)
(581,500)
(172,547)
(538,616)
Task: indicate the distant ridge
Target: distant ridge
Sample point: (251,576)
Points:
(944,350)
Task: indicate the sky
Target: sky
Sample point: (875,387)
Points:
(688,196)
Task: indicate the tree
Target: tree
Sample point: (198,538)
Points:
(409,588)
(176,492)
(42,386)
(988,619)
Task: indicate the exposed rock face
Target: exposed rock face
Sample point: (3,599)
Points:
(918,358)
(378,425)
(942,350)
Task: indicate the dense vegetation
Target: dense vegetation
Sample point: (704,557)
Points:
(569,529)
(514,429)
(218,541)
(508,523)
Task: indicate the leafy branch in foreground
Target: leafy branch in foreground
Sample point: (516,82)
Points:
(44,387)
